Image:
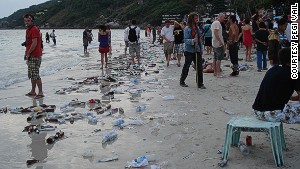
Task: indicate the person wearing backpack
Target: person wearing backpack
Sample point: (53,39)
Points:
(207,37)
(133,34)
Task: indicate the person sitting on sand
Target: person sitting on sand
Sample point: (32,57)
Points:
(276,89)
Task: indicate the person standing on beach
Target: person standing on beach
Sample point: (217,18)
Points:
(53,36)
(85,40)
(277,40)
(207,37)
(133,34)
(247,37)
(261,37)
(103,39)
(126,41)
(109,38)
(47,37)
(218,44)
(154,33)
(168,40)
(33,55)
(178,40)
(233,45)
(193,51)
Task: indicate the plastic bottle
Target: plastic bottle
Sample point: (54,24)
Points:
(140,108)
(243,148)
(170,97)
(110,136)
(118,122)
(92,120)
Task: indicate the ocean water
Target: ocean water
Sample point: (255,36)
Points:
(67,53)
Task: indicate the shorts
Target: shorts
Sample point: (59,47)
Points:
(208,41)
(85,42)
(290,114)
(219,53)
(179,48)
(104,50)
(134,49)
(34,63)
(168,48)
(126,44)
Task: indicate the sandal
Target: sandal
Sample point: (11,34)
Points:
(30,94)
(39,96)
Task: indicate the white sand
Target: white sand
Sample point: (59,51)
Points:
(187,136)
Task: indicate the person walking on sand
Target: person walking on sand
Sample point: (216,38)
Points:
(85,39)
(33,55)
(178,40)
(168,40)
(47,37)
(133,34)
(233,45)
(193,51)
(218,44)
(103,39)
(247,37)
(53,36)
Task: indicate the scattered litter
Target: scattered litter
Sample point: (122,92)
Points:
(229,112)
(170,97)
(108,159)
(142,161)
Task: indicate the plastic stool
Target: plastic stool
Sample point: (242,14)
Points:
(252,124)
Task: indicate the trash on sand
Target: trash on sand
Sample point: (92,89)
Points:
(132,122)
(229,112)
(88,154)
(33,161)
(226,98)
(142,161)
(109,136)
(170,97)
(108,159)
(140,108)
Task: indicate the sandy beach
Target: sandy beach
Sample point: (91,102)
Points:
(184,133)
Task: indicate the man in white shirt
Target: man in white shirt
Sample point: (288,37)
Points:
(133,34)
(218,44)
(168,40)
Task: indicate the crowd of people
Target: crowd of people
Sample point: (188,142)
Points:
(190,39)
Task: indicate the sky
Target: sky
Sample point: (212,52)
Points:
(8,7)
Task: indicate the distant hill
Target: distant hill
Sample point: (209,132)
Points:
(82,13)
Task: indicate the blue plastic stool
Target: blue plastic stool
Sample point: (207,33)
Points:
(252,124)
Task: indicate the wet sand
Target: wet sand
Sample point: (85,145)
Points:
(184,133)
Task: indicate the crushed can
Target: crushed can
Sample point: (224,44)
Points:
(248,140)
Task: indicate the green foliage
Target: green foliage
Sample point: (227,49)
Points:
(82,13)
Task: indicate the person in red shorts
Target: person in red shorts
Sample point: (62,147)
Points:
(103,39)
(33,55)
